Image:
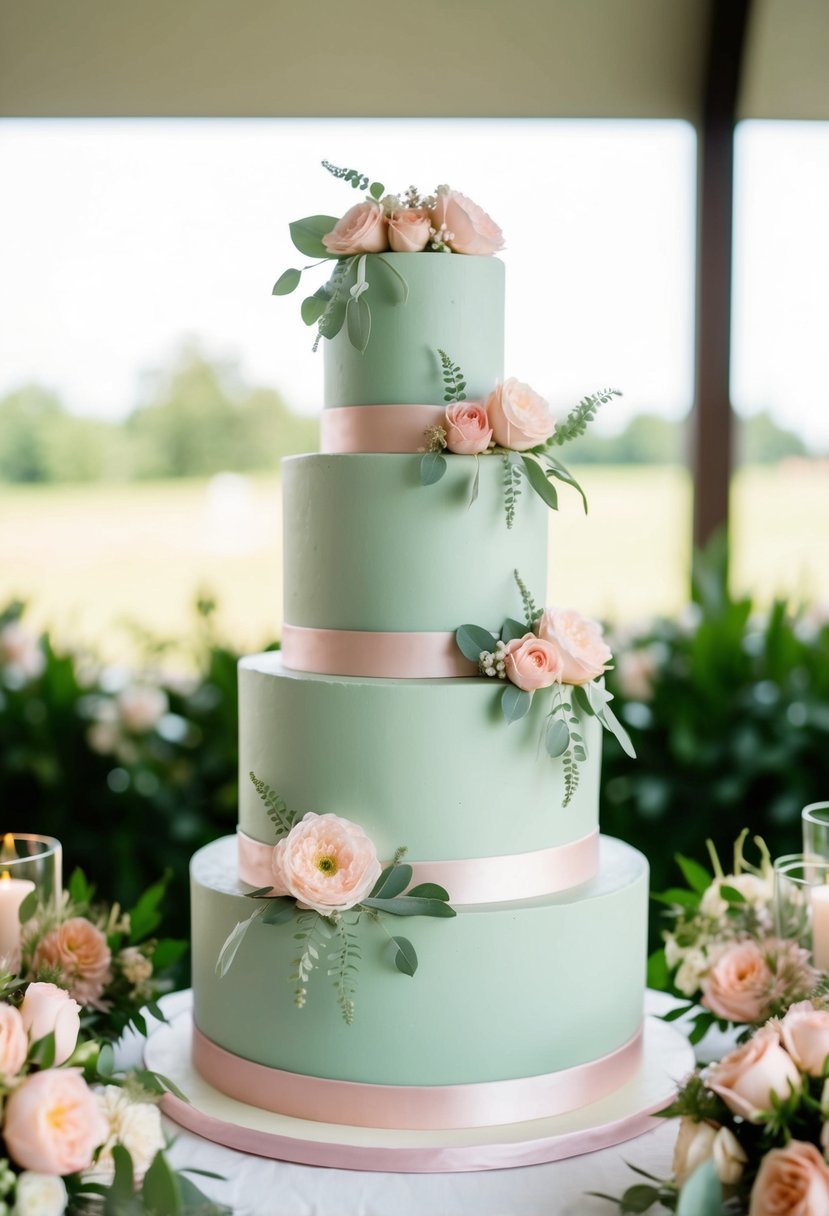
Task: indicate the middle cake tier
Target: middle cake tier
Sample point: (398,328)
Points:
(429,765)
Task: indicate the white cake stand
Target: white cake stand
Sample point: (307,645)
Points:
(667,1059)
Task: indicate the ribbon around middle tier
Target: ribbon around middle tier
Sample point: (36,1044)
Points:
(473,880)
(354,652)
(378,428)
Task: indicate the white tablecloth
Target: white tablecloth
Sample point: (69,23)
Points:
(254,1186)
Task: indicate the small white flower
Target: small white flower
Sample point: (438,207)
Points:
(137,968)
(39,1195)
(674,953)
(135,1125)
(729,1157)
(756,891)
(692,972)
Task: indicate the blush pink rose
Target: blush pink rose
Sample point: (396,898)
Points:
(805,1035)
(747,1077)
(467,428)
(47,1009)
(530,663)
(792,1181)
(81,952)
(14,1043)
(326,863)
(738,986)
(467,227)
(520,418)
(53,1123)
(409,230)
(584,652)
(363,229)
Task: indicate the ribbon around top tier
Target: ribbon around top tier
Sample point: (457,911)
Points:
(378,428)
(354,652)
(473,880)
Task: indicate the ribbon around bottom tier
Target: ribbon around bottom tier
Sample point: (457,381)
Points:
(415,1107)
(473,880)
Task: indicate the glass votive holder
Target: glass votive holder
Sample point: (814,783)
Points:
(801,904)
(35,859)
(815,823)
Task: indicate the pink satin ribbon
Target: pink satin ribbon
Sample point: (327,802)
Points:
(353,652)
(378,428)
(414,1107)
(474,880)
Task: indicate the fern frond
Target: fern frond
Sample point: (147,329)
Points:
(311,932)
(345,969)
(571,776)
(582,415)
(278,813)
(454,381)
(512,489)
(531,610)
(358,180)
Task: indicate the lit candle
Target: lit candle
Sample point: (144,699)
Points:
(8,848)
(820,926)
(12,893)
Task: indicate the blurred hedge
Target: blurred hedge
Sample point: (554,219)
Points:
(728,709)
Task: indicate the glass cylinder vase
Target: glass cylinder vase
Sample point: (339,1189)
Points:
(815,823)
(801,904)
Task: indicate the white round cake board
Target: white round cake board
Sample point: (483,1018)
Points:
(667,1059)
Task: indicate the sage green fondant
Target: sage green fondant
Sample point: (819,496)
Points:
(429,764)
(455,304)
(502,990)
(366,546)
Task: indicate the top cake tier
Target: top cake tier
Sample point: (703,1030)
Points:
(455,303)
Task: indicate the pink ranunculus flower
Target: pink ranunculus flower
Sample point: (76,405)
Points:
(530,663)
(584,652)
(48,1009)
(467,226)
(467,428)
(53,1123)
(81,952)
(520,418)
(363,229)
(14,1043)
(747,1077)
(738,986)
(326,863)
(805,1035)
(792,1181)
(409,230)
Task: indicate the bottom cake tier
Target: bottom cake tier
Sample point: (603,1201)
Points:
(516,1010)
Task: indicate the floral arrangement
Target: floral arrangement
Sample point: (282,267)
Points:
(107,959)
(326,879)
(445,221)
(550,649)
(754,1128)
(513,422)
(720,951)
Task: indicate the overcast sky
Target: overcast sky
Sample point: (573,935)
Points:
(121,238)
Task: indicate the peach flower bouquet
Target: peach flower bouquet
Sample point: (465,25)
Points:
(445,221)
(753,1134)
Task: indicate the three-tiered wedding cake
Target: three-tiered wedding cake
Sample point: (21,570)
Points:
(376,720)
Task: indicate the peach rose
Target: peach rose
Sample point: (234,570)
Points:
(466,227)
(409,230)
(792,1181)
(363,229)
(532,663)
(584,652)
(747,1077)
(81,952)
(326,863)
(520,418)
(467,428)
(805,1034)
(53,1123)
(739,984)
(14,1044)
(47,1009)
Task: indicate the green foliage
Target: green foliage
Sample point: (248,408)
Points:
(512,485)
(531,610)
(432,468)
(579,418)
(454,383)
(359,181)
(473,640)
(729,710)
(281,818)
(515,703)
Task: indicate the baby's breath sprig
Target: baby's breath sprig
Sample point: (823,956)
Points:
(435,438)
(491,662)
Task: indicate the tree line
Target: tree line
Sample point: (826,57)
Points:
(198,418)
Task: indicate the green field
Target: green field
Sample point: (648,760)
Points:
(91,559)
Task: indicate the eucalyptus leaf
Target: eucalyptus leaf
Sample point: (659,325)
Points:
(639,1198)
(405,955)
(358,323)
(278,911)
(513,629)
(234,940)
(472,640)
(406,905)
(377,190)
(312,307)
(158,1083)
(429,890)
(287,282)
(582,700)
(307,234)
(106,1060)
(539,482)
(597,696)
(393,881)
(258,893)
(397,275)
(558,471)
(696,876)
(556,737)
(432,468)
(515,703)
(702,1193)
(333,319)
(612,723)
(161,1192)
